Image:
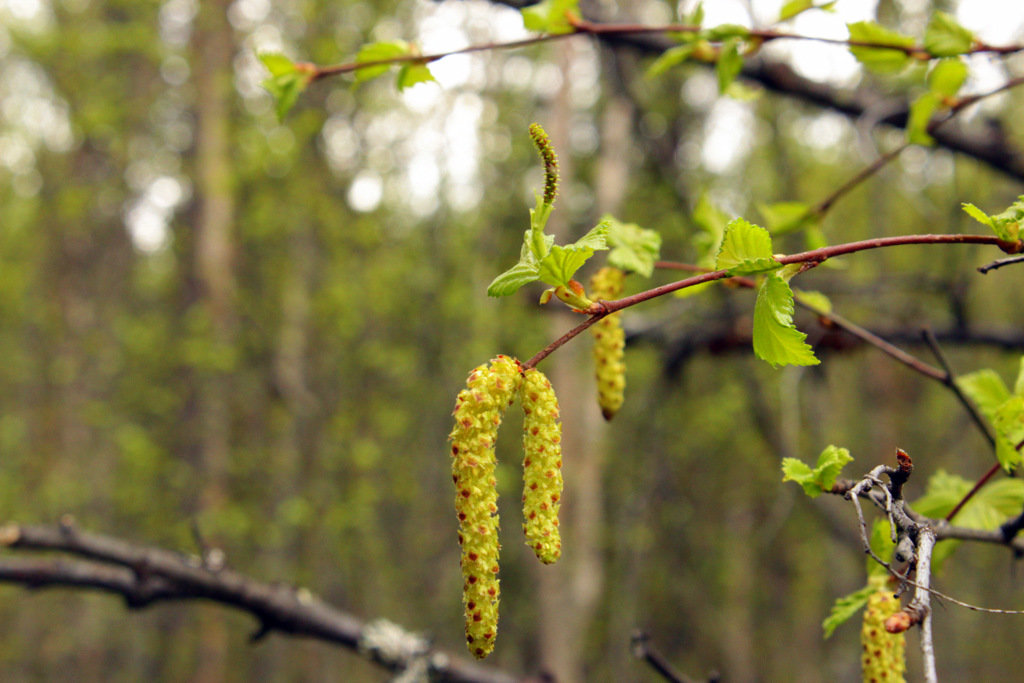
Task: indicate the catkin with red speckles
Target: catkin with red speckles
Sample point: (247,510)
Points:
(542,466)
(882,653)
(478,412)
(609,343)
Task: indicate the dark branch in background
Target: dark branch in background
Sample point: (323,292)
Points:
(144,576)
(1000,263)
(642,649)
(780,78)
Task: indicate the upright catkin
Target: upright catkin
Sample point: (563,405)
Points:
(882,653)
(478,412)
(609,343)
(542,466)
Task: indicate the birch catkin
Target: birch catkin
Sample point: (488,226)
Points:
(542,466)
(609,343)
(478,412)
(882,653)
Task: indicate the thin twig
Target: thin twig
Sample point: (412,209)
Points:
(950,381)
(999,263)
(642,649)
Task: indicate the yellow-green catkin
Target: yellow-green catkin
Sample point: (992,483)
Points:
(609,343)
(882,653)
(542,466)
(478,412)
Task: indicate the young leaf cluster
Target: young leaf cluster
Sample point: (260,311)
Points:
(823,476)
(747,250)
(1005,225)
(1003,410)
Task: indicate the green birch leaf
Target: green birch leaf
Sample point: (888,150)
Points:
(412,73)
(286,82)
(776,339)
(986,390)
(946,77)
(817,301)
(549,16)
(920,115)
(729,65)
(634,249)
(725,32)
(830,463)
(561,263)
(978,215)
(880,59)
(523,273)
(944,37)
(845,608)
(794,7)
(671,57)
(746,249)
(277,64)
(797,470)
(785,217)
(1007,224)
(376,52)
(1018,386)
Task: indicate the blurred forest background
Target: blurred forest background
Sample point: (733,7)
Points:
(209,317)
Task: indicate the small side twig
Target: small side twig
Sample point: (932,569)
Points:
(999,263)
(641,646)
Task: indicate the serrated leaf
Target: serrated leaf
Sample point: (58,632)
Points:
(729,65)
(986,390)
(797,470)
(880,59)
(746,249)
(830,463)
(711,223)
(376,52)
(785,217)
(1018,386)
(1008,421)
(634,248)
(549,16)
(512,279)
(920,115)
(946,77)
(412,73)
(1007,224)
(816,301)
(776,339)
(846,607)
(977,214)
(670,58)
(944,37)
(561,263)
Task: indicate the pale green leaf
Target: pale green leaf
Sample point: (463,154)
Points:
(816,301)
(286,82)
(793,8)
(947,76)
(730,63)
(830,463)
(412,73)
(549,16)
(379,52)
(776,339)
(746,249)
(977,214)
(845,608)
(944,37)
(561,263)
(797,470)
(920,116)
(725,32)
(670,58)
(277,64)
(634,249)
(881,59)
(986,390)
(784,217)
(1018,386)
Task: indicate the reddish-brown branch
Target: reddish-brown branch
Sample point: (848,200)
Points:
(812,257)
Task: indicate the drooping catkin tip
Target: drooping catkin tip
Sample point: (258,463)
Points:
(550,159)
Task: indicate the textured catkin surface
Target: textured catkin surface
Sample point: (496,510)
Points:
(542,466)
(882,653)
(478,412)
(609,343)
